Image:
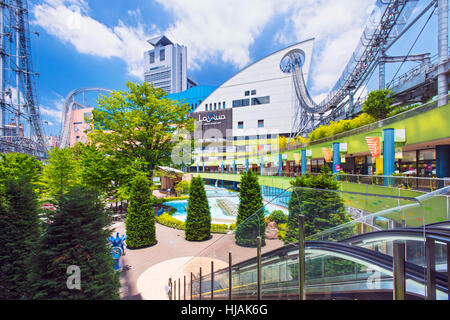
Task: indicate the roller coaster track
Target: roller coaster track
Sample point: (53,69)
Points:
(71,104)
(393,19)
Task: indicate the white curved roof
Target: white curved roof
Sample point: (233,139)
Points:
(267,68)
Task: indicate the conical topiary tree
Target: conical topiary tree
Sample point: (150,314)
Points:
(74,261)
(140,222)
(250,220)
(198,221)
(19,233)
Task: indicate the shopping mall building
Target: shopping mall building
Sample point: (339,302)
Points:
(239,124)
(243,118)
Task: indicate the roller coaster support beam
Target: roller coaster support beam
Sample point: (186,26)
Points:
(382,70)
(351,104)
(442,52)
(424,58)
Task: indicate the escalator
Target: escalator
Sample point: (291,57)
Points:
(350,269)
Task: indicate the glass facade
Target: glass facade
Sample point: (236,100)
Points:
(241,103)
(420,163)
(260,100)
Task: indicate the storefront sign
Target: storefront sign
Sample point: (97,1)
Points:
(297,158)
(398,153)
(400,135)
(343,147)
(211,117)
(338,167)
(374,146)
(309,153)
(326,154)
(342,159)
(284,156)
(208,123)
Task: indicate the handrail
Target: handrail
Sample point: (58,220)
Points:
(383,261)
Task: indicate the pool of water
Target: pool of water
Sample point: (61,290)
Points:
(218,215)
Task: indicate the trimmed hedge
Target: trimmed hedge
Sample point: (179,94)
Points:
(167,199)
(169,221)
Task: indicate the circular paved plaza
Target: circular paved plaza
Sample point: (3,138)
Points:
(146,271)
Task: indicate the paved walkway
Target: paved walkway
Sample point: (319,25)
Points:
(146,271)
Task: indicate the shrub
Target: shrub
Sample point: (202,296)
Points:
(182,187)
(198,221)
(169,221)
(140,222)
(333,128)
(250,219)
(278,216)
(167,199)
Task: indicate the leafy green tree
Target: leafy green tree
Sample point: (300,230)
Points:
(61,172)
(139,124)
(378,104)
(182,187)
(77,236)
(140,222)
(96,168)
(322,209)
(198,220)
(250,219)
(19,232)
(18,164)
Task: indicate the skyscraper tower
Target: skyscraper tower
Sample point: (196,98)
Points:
(166,66)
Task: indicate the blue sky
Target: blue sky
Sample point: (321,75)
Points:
(101,43)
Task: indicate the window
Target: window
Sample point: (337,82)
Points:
(260,123)
(152,57)
(87,116)
(223,104)
(215,106)
(241,103)
(219,105)
(78,123)
(260,100)
(253,92)
(240,124)
(247,93)
(162,55)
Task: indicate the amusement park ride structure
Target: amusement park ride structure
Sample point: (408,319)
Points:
(20,121)
(387,24)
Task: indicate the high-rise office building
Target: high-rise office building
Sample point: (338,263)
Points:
(166,66)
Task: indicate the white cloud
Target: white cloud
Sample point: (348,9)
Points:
(336,26)
(54,109)
(221,31)
(224,30)
(68,20)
